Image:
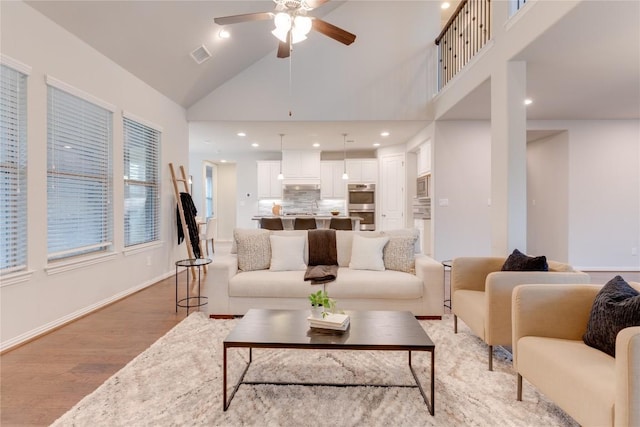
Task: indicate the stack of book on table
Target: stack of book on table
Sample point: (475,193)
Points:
(335,321)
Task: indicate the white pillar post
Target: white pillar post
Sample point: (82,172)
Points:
(508,158)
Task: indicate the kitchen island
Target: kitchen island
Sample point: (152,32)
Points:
(322,220)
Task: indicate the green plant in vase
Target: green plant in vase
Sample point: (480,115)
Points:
(321,299)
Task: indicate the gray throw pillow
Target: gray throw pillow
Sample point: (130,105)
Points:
(617,306)
(518,261)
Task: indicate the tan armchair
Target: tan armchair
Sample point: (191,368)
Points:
(481,294)
(594,388)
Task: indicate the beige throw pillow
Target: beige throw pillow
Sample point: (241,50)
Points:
(366,253)
(287,253)
(254,249)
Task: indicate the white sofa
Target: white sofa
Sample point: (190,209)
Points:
(233,292)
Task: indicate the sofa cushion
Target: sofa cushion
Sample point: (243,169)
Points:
(254,249)
(362,284)
(366,253)
(398,254)
(578,378)
(518,261)
(287,253)
(273,284)
(617,306)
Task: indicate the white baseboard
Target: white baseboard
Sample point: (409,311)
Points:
(48,327)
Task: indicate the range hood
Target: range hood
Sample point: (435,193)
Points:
(300,186)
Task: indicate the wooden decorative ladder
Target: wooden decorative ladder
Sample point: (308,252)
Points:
(185,230)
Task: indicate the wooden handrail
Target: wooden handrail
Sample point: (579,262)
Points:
(450,21)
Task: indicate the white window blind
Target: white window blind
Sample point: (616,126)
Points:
(79,191)
(141,183)
(13,170)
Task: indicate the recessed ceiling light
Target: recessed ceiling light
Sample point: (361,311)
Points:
(255,144)
(376,144)
(241,134)
(445,5)
(224,34)
(385,133)
(528,101)
(315,144)
(223,161)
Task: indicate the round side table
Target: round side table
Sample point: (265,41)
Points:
(191,301)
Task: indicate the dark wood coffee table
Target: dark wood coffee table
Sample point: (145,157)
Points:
(369,330)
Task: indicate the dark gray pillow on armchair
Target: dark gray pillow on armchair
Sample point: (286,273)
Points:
(617,306)
(518,261)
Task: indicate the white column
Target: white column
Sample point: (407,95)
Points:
(508,158)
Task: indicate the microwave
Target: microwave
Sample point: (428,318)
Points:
(422,187)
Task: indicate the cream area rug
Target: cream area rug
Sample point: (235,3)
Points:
(178,382)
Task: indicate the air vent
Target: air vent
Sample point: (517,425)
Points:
(200,55)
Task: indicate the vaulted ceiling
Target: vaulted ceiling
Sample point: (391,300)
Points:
(585,67)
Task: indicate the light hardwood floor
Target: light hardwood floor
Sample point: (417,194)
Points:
(41,380)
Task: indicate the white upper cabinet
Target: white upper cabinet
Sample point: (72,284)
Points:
(269,186)
(362,170)
(424,159)
(301,164)
(332,186)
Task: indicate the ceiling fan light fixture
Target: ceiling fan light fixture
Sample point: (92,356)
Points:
(280,34)
(282,21)
(302,24)
(297,37)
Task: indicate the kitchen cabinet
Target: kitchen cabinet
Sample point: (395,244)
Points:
(269,186)
(424,159)
(362,170)
(301,164)
(332,186)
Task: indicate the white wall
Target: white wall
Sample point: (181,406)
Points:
(461,172)
(45,300)
(585,182)
(548,197)
(604,207)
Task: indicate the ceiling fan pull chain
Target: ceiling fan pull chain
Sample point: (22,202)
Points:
(290,84)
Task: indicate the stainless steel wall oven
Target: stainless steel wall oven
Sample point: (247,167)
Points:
(362,203)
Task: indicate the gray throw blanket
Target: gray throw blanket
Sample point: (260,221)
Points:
(323,257)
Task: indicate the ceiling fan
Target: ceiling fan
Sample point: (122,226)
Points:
(292,23)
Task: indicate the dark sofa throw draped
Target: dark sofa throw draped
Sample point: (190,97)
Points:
(323,257)
(190,212)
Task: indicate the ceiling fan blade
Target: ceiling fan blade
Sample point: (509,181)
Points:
(332,31)
(316,3)
(247,17)
(284,48)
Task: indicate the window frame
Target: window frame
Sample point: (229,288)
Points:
(60,256)
(13,163)
(154,183)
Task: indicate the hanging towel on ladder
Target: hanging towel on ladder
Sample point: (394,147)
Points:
(190,212)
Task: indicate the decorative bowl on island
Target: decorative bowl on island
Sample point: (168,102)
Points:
(335,213)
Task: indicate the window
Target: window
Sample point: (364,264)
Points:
(208,191)
(141,183)
(79,188)
(13,170)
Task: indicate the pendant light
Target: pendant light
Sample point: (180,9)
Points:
(280,175)
(344,147)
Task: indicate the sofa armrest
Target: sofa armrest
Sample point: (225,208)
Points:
(499,287)
(431,272)
(554,311)
(470,273)
(221,270)
(627,407)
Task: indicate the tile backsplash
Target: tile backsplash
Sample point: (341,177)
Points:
(303,201)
